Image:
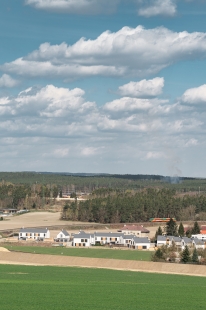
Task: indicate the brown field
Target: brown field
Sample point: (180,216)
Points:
(51,260)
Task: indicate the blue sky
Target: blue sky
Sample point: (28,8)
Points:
(103,86)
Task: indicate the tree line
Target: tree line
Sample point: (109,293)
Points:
(129,206)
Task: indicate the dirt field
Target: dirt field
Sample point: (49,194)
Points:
(33,219)
(50,260)
(48,219)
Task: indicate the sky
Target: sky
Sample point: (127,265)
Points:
(103,86)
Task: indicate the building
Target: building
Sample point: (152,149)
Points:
(125,240)
(107,238)
(138,231)
(63,236)
(83,239)
(203,230)
(186,241)
(200,236)
(34,233)
(142,243)
(198,244)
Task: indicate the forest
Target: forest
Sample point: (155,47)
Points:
(110,206)
(110,198)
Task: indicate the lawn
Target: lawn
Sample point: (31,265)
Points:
(85,252)
(53,288)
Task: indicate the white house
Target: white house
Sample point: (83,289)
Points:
(107,238)
(140,243)
(63,236)
(200,237)
(34,233)
(125,240)
(186,241)
(138,231)
(83,239)
(198,244)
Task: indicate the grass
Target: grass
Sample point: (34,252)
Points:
(53,288)
(85,252)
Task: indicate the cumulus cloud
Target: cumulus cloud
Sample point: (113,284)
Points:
(56,122)
(75,6)
(195,96)
(127,52)
(7,81)
(158,7)
(143,88)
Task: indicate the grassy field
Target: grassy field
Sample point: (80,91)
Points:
(92,252)
(53,288)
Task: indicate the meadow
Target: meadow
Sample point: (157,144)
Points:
(85,252)
(53,288)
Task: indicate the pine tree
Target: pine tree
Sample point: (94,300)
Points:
(159,254)
(171,228)
(158,232)
(196,229)
(185,255)
(181,230)
(195,256)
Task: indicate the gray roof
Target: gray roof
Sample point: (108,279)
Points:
(82,234)
(141,240)
(187,240)
(198,241)
(177,239)
(161,238)
(106,234)
(34,230)
(65,232)
(128,236)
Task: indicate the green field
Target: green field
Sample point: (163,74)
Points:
(92,252)
(53,288)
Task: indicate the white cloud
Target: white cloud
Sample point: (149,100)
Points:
(61,152)
(191,142)
(195,95)
(75,6)
(143,88)
(7,81)
(158,7)
(127,52)
(155,155)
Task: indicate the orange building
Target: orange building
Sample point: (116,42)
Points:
(203,230)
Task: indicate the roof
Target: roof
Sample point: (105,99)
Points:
(65,232)
(198,241)
(128,236)
(177,239)
(107,234)
(34,230)
(141,240)
(135,228)
(187,240)
(161,238)
(82,234)
(203,228)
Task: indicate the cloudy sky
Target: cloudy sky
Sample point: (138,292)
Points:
(111,86)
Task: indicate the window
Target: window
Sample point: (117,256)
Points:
(82,240)
(85,240)
(83,244)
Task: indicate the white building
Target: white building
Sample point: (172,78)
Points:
(34,233)
(186,242)
(200,237)
(83,239)
(140,243)
(138,231)
(107,238)
(198,244)
(63,236)
(125,240)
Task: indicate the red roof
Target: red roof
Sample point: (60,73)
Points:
(135,227)
(203,228)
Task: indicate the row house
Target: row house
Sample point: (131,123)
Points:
(83,239)
(140,243)
(181,243)
(63,236)
(107,238)
(34,233)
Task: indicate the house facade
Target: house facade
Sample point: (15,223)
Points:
(34,233)
(138,231)
(83,239)
(142,243)
(63,236)
(107,238)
